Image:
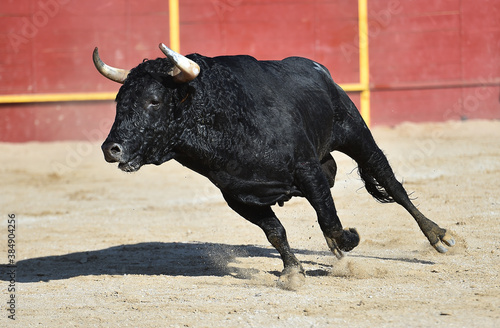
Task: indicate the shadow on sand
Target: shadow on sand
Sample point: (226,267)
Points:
(154,258)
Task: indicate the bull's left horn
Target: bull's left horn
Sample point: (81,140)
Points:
(189,70)
(114,74)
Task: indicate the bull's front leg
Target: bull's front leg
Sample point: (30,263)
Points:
(315,186)
(293,275)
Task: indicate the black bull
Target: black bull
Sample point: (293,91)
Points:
(261,131)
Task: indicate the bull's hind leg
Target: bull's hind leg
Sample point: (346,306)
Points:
(382,184)
(293,275)
(315,184)
(352,137)
(380,170)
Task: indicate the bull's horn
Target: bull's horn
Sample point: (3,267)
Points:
(114,74)
(187,71)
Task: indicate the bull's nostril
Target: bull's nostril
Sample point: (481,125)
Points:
(113,152)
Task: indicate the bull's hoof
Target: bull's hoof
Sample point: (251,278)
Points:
(342,241)
(445,239)
(292,278)
(349,239)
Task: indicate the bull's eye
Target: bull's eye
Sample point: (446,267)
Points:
(154,104)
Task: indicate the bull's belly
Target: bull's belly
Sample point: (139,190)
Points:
(254,191)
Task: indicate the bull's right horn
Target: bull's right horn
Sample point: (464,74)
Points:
(187,70)
(114,74)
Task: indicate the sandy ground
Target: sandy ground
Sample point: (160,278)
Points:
(96,247)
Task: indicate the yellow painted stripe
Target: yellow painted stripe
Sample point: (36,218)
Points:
(175,43)
(364,65)
(353,87)
(56,97)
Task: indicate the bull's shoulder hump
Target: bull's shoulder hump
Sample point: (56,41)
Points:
(238,61)
(224,60)
(233,59)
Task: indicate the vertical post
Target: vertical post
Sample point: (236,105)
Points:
(175,43)
(364,65)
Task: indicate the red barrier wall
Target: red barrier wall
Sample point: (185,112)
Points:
(429,60)
(435,60)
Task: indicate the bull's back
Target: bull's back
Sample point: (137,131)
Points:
(295,96)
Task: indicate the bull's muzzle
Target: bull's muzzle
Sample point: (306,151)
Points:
(113,152)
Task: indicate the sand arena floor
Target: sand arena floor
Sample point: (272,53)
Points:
(97,247)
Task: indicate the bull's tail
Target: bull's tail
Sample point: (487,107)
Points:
(352,137)
(372,172)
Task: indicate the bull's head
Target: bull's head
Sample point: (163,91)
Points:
(142,131)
